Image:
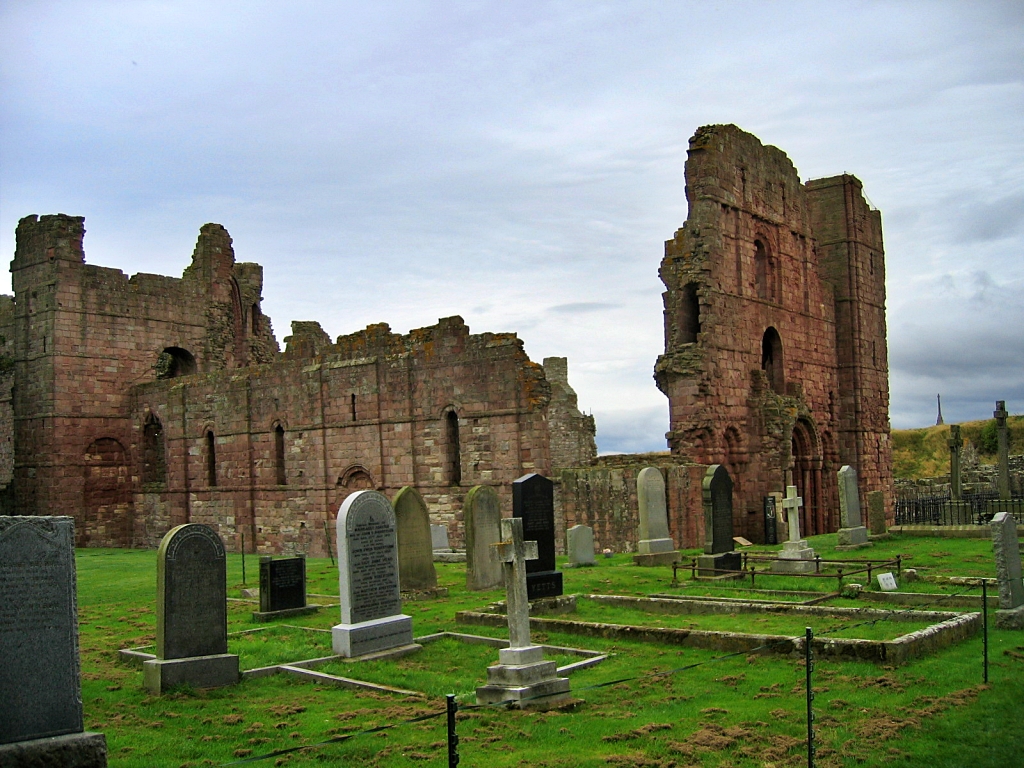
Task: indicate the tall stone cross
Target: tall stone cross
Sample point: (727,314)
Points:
(955,443)
(1000,415)
(513,553)
(791,509)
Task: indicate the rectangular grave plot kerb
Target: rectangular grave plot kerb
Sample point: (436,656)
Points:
(282,584)
(39,679)
(533,500)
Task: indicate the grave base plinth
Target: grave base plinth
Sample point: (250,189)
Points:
(719,566)
(216,671)
(372,636)
(655,546)
(261,616)
(524,680)
(656,558)
(852,538)
(72,750)
(1012,618)
(795,557)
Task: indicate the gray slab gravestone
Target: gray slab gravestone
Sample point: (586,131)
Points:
(719,547)
(439,538)
(40,690)
(371,606)
(191,613)
(533,500)
(852,533)
(1006,548)
(415,547)
(654,545)
(481,513)
(282,588)
(876,512)
(580,545)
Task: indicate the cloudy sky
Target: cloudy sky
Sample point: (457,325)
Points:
(520,164)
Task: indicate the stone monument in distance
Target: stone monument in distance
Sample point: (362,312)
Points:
(654,545)
(415,542)
(719,556)
(533,500)
(579,547)
(481,514)
(1006,548)
(852,533)
(796,556)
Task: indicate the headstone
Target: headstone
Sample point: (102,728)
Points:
(521,676)
(852,534)
(654,545)
(439,538)
(282,588)
(533,500)
(796,556)
(876,513)
(371,605)
(719,555)
(580,545)
(771,533)
(415,551)
(40,689)
(887,582)
(1006,548)
(191,613)
(481,514)
(1002,432)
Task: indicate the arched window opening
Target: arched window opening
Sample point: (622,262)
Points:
(154,460)
(689,314)
(353,407)
(211,459)
(453,458)
(279,455)
(771,361)
(355,478)
(174,362)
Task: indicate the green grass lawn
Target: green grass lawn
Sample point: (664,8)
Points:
(737,711)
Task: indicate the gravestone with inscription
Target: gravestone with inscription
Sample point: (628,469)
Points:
(719,555)
(533,499)
(1006,548)
(580,546)
(771,519)
(852,534)
(371,605)
(481,513)
(654,544)
(40,689)
(415,548)
(282,588)
(191,613)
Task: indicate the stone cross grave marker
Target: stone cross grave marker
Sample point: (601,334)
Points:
(40,689)
(415,547)
(1001,415)
(191,613)
(521,675)
(852,533)
(481,514)
(654,545)
(1006,548)
(791,511)
(580,545)
(796,556)
(371,605)
(719,546)
(533,500)
(955,444)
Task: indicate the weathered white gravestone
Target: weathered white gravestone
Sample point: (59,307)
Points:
(191,613)
(371,607)
(481,514)
(580,546)
(655,545)
(40,691)
(1006,548)
(796,556)
(521,677)
(415,549)
(852,533)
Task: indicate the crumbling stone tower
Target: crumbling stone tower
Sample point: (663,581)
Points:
(775,359)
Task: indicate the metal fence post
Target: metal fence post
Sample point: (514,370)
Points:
(243,557)
(984,622)
(809,664)
(453,737)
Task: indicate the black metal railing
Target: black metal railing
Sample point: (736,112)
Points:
(923,506)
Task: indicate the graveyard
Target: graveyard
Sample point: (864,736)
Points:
(649,703)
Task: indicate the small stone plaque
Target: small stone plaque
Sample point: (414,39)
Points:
(39,681)
(282,583)
(533,499)
(742,542)
(887,582)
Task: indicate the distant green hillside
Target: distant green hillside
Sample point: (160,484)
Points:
(920,453)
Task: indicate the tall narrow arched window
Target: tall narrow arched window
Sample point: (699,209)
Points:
(689,314)
(453,456)
(279,455)
(211,459)
(154,461)
(771,360)
(353,402)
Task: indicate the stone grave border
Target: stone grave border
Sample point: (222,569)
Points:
(949,628)
(306,668)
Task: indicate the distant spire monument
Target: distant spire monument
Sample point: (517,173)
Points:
(939,421)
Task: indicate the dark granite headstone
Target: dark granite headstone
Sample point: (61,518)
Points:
(719,554)
(533,499)
(771,533)
(282,583)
